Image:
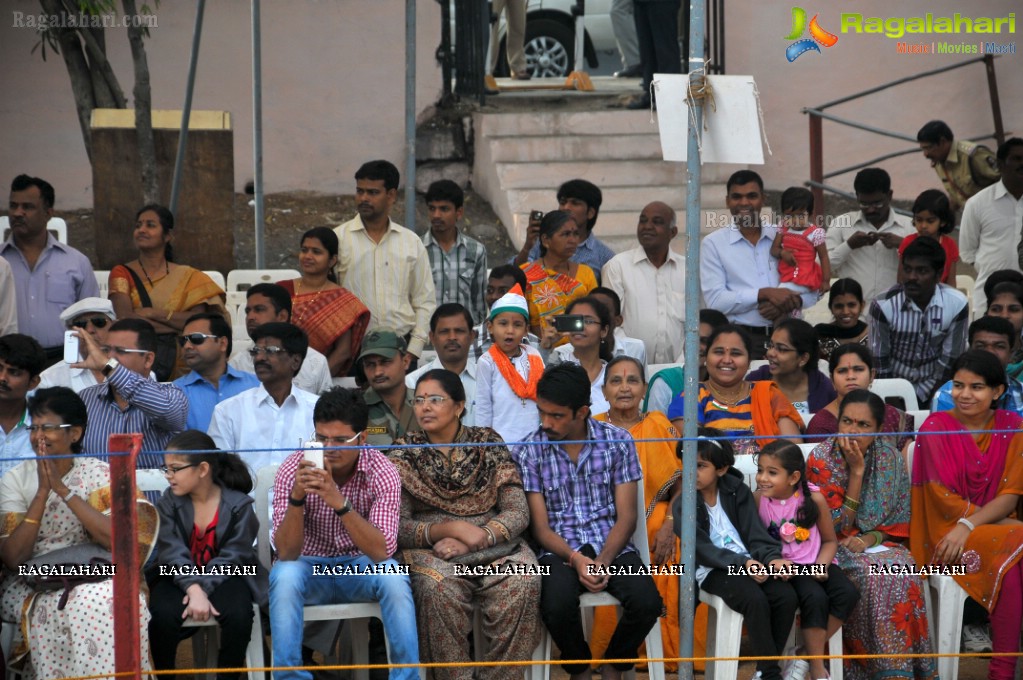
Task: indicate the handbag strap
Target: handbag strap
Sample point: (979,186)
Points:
(139,288)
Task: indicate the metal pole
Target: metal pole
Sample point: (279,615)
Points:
(186,112)
(694,217)
(124,552)
(992,88)
(257,133)
(817,162)
(410,114)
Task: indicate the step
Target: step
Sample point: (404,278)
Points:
(578,147)
(538,123)
(621,198)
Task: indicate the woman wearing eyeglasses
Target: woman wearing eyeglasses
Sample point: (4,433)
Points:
(164,293)
(53,503)
(207,563)
(792,356)
(89,315)
(463,511)
(591,347)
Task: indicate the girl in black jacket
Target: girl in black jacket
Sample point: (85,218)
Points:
(207,563)
(732,549)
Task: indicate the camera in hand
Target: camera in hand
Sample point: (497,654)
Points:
(569,323)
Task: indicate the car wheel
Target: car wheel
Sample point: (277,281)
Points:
(549,49)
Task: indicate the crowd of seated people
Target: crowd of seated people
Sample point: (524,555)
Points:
(507,483)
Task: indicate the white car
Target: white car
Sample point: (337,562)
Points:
(550,32)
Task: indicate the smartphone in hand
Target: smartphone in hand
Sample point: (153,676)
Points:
(313,453)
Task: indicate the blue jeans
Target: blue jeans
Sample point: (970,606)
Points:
(293,585)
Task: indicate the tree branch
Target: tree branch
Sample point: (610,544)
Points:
(143,108)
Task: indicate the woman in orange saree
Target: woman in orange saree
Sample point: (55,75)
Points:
(966,488)
(333,318)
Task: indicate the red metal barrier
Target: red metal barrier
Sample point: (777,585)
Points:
(124,529)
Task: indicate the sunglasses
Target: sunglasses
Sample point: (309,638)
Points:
(96,321)
(269,350)
(195,338)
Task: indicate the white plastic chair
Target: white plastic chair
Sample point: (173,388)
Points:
(217,277)
(724,634)
(102,280)
(754,365)
(918,418)
(356,614)
(206,643)
(896,387)
(243,279)
(56,226)
(654,646)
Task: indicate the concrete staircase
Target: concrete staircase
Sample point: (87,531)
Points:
(521,158)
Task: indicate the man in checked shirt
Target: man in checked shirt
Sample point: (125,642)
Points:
(335,530)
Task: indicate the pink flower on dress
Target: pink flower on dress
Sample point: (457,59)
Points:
(788,532)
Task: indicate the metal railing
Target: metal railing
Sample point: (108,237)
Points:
(818,116)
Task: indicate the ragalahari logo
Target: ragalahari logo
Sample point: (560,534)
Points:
(817,35)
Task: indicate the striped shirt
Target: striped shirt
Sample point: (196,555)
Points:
(580,496)
(734,420)
(374,491)
(461,274)
(918,345)
(392,278)
(157,410)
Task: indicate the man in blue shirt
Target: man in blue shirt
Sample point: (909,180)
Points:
(206,345)
(582,500)
(990,334)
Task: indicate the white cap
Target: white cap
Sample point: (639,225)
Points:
(86,305)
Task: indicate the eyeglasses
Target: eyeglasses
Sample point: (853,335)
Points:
(96,321)
(432,400)
(778,348)
(171,471)
(121,351)
(876,205)
(590,321)
(335,441)
(269,350)
(47,428)
(195,338)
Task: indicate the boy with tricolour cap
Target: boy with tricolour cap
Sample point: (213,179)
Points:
(91,315)
(385,360)
(507,373)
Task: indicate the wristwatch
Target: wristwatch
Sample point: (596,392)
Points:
(110,367)
(344,509)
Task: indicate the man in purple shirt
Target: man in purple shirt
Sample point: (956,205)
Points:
(49,275)
(582,500)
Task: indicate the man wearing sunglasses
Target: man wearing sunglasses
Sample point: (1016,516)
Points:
(267,422)
(21,361)
(205,342)
(92,315)
(129,400)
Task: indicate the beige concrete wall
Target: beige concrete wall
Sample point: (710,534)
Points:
(333,88)
(755,45)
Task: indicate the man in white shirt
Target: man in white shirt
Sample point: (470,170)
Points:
(650,280)
(452,335)
(265,424)
(267,302)
(864,245)
(989,236)
(384,264)
(738,276)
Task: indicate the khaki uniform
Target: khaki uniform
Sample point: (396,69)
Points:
(968,168)
(384,426)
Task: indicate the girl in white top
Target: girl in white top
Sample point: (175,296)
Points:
(507,373)
(591,348)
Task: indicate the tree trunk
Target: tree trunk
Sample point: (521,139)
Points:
(77,69)
(143,108)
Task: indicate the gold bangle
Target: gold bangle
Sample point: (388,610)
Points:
(29,520)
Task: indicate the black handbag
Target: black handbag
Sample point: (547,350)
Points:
(91,555)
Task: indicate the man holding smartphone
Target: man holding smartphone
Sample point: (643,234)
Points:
(336,529)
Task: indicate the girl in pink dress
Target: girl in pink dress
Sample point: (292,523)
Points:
(798,515)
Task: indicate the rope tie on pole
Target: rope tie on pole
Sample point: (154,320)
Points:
(699,92)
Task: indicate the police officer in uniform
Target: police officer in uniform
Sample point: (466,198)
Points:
(964,168)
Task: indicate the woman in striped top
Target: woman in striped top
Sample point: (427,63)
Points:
(754,413)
